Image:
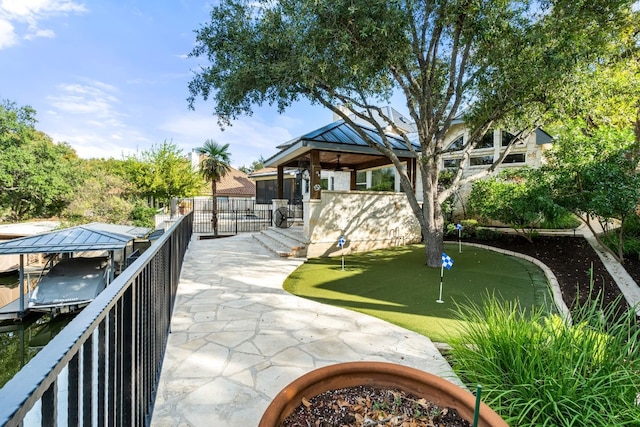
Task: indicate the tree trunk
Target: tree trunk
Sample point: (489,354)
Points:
(587,220)
(620,238)
(214,208)
(433,228)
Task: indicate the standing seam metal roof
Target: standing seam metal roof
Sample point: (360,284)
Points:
(340,132)
(74,239)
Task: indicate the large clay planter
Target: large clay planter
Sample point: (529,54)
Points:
(410,380)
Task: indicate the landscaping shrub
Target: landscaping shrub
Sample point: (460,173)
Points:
(630,238)
(564,221)
(543,371)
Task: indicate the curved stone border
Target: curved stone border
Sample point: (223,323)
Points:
(553,281)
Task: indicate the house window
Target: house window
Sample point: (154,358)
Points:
(452,163)
(481,161)
(487,141)
(514,158)
(507,137)
(361,180)
(383,179)
(457,144)
(267,190)
(332,183)
(324,183)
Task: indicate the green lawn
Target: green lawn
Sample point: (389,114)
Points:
(395,285)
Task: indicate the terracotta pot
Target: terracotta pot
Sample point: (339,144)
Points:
(410,380)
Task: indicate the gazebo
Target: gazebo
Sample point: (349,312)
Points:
(337,147)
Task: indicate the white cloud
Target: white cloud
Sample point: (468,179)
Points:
(92,98)
(248,138)
(38,33)
(36,9)
(87,116)
(7,34)
(32,13)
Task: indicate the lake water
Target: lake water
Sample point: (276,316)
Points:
(21,341)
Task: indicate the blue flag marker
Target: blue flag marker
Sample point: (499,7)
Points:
(447,261)
(459,226)
(341,242)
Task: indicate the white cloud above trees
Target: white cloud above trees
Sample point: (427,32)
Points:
(27,19)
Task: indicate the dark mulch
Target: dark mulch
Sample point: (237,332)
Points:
(371,406)
(572,260)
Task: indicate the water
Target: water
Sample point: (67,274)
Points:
(21,341)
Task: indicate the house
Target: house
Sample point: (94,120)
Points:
(234,188)
(234,185)
(337,171)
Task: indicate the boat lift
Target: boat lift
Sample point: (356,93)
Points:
(83,238)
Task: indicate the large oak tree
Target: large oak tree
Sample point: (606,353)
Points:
(494,61)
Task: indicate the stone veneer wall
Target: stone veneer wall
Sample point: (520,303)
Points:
(367,220)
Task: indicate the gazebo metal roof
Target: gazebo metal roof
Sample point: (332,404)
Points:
(340,138)
(74,239)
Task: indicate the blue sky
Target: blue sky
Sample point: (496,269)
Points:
(110,77)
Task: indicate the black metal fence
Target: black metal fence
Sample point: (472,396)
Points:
(103,368)
(234,215)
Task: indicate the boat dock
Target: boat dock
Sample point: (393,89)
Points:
(12,311)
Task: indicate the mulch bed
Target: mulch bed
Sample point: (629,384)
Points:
(370,406)
(573,261)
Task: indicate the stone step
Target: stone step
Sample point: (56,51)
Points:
(291,235)
(285,242)
(273,246)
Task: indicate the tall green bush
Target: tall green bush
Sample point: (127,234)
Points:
(545,371)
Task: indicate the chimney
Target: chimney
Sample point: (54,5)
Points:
(342,108)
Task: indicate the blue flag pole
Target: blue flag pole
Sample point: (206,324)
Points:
(341,242)
(439,300)
(447,261)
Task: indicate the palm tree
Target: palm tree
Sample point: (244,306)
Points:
(214,164)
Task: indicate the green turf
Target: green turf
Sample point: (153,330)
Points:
(395,285)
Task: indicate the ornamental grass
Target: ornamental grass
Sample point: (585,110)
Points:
(540,370)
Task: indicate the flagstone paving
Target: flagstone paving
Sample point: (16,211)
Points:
(237,338)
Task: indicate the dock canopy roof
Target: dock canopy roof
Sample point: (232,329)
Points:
(74,239)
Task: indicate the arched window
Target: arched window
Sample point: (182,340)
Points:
(457,144)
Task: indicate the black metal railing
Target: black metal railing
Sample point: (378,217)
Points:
(103,368)
(234,216)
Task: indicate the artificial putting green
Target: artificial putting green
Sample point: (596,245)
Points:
(395,285)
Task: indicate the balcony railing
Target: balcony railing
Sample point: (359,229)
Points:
(103,368)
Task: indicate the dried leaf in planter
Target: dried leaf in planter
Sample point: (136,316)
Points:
(306,402)
(366,406)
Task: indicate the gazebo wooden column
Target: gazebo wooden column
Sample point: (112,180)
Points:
(280,192)
(411,171)
(315,175)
